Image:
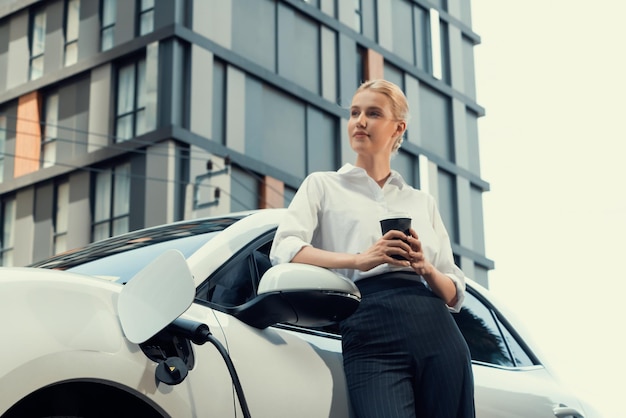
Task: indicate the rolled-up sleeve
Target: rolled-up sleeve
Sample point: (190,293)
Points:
(297,228)
(445,259)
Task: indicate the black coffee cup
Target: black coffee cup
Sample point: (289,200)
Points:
(398,222)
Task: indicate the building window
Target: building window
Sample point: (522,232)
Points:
(7,231)
(435,47)
(111,202)
(37,44)
(360,65)
(50,131)
(72,19)
(61,210)
(3,144)
(107,31)
(130,118)
(146,16)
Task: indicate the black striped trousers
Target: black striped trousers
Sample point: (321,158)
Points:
(404,355)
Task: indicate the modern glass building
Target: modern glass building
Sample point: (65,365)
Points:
(121,114)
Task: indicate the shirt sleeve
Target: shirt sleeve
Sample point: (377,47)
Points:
(296,229)
(444,261)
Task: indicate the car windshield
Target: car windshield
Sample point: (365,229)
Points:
(120,258)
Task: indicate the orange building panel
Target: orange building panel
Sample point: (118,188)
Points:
(374,65)
(28,135)
(272,193)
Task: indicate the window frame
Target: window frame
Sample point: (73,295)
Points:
(49,130)
(7,248)
(501,322)
(137,110)
(37,43)
(60,219)
(246,258)
(145,16)
(107,27)
(71,24)
(110,217)
(3,143)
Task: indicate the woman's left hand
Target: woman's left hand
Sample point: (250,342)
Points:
(417,260)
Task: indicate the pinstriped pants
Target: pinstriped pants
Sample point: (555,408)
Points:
(403,354)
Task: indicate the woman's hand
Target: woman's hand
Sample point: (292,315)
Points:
(441,285)
(416,257)
(393,243)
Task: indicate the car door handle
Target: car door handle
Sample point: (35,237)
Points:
(566,412)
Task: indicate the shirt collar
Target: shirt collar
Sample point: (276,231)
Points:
(350,170)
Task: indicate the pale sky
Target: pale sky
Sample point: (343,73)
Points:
(552,78)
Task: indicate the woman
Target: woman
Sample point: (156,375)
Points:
(403,353)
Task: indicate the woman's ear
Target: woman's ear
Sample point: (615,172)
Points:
(401,127)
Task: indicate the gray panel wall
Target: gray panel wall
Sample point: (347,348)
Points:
(219,103)
(468,68)
(100,107)
(447,194)
(55,44)
(169,12)
(298,49)
(254,31)
(19,50)
(43,227)
(244,190)
(329,64)
(275,121)
(402,30)
(202,95)
(89,29)
(321,137)
(9,147)
(4,55)
(24,226)
(138,201)
(169,84)
(435,122)
(79,211)
(213,19)
(73,119)
(159,187)
(125,22)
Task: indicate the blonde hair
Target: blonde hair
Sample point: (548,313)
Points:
(397,98)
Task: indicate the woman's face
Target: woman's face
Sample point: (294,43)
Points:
(372,129)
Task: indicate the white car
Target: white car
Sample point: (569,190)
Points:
(118,328)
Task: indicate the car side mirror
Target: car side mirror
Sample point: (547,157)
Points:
(155,296)
(300,294)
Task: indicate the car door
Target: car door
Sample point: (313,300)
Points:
(285,371)
(509,379)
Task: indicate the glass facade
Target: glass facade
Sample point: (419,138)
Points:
(50,131)
(7,234)
(37,44)
(61,216)
(264,83)
(3,144)
(111,205)
(107,30)
(131,101)
(72,15)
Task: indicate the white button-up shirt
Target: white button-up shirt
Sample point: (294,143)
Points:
(341,211)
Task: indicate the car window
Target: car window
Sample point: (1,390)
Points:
(488,339)
(237,281)
(520,356)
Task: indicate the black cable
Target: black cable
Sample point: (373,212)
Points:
(199,333)
(233,374)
